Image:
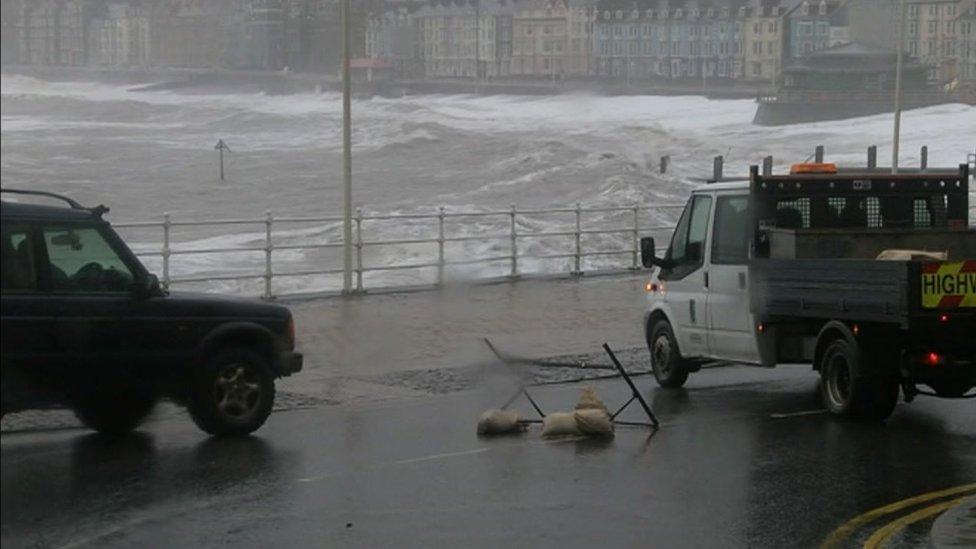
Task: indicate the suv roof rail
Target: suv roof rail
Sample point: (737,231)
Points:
(97,210)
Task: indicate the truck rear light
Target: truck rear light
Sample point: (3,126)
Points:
(760,327)
(943,318)
(933,359)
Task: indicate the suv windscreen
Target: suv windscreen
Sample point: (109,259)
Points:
(82,260)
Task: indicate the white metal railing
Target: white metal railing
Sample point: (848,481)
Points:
(167,252)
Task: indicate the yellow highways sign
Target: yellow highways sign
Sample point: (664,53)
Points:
(949,285)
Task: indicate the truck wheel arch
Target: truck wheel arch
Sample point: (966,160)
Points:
(238,334)
(650,319)
(831,331)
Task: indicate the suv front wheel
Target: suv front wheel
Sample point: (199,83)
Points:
(233,394)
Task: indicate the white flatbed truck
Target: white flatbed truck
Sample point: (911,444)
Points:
(784,269)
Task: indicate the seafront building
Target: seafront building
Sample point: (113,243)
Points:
(687,43)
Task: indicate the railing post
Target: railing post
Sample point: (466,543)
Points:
(924,159)
(717,168)
(166,250)
(579,249)
(873,156)
(268,246)
(636,264)
(440,246)
(359,250)
(514,237)
(818,154)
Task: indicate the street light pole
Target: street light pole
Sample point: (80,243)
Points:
(898,63)
(346,157)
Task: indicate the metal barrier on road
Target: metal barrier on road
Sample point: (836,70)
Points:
(439,219)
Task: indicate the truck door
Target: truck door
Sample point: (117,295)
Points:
(686,281)
(730,324)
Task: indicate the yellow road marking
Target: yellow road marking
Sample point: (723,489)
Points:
(848,528)
(883,535)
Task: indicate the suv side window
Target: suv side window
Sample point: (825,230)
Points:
(730,236)
(19,268)
(83,261)
(687,250)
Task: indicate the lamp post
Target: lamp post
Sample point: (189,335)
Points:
(346,157)
(898,63)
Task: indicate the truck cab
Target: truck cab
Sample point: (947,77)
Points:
(875,268)
(701,287)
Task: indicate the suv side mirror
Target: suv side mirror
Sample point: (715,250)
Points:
(147,287)
(648,251)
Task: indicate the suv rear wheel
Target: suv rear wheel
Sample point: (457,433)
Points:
(846,392)
(670,370)
(114,409)
(233,394)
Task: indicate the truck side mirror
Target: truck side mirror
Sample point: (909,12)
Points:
(648,252)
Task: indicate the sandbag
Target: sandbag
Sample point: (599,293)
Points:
(594,422)
(589,401)
(911,255)
(559,424)
(499,422)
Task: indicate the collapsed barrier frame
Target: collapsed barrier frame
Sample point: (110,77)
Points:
(511,362)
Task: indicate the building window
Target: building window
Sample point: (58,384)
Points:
(822,29)
(805,28)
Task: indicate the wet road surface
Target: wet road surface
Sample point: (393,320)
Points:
(732,466)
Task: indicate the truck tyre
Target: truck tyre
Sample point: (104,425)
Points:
(115,411)
(233,394)
(846,393)
(670,370)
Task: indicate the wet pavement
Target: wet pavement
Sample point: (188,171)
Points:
(733,465)
(374,445)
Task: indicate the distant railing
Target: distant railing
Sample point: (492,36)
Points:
(513,236)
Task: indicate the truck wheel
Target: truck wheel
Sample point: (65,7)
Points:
(670,370)
(114,412)
(233,394)
(846,393)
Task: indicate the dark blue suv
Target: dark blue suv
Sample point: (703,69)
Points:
(87,326)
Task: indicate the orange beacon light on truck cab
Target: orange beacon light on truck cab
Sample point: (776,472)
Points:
(813,167)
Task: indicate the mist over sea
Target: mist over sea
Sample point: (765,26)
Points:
(148,152)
